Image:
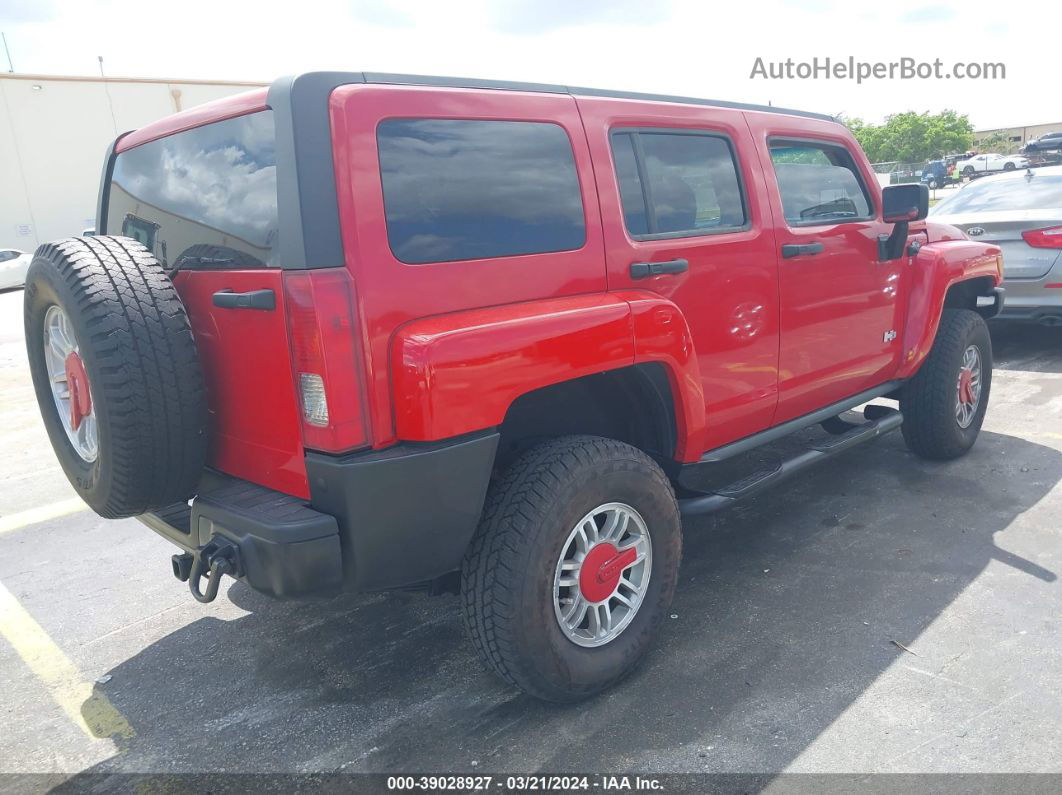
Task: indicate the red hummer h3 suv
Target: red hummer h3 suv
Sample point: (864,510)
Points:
(364,331)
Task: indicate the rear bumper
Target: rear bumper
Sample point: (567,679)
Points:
(379,520)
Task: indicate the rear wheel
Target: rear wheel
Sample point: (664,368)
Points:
(968,171)
(1009,166)
(116,374)
(573,567)
(944,404)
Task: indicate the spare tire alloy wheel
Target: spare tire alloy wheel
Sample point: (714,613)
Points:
(69,383)
(602,575)
(116,374)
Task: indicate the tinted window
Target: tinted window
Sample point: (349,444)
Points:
(204,198)
(674,183)
(1042,192)
(819,183)
(6,255)
(457,189)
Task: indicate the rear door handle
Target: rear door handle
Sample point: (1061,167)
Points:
(640,270)
(255,299)
(801,249)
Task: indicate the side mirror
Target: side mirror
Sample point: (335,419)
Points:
(900,205)
(908,202)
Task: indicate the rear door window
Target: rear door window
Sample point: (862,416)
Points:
(461,189)
(819,183)
(204,198)
(677,183)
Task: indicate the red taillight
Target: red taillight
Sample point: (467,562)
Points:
(1051,237)
(325,359)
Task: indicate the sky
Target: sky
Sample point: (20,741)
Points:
(688,47)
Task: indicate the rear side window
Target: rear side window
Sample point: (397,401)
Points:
(819,183)
(467,189)
(676,183)
(203,198)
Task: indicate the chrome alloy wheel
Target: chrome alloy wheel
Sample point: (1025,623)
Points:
(602,575)
(69,384)
(968,392)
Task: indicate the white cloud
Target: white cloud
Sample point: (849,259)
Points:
(689,47)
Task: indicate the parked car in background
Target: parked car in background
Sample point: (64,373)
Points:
(988,163)
(1048,142)
(1022,214)
(13,267)
(937,174)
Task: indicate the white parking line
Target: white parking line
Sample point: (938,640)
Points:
(16,521)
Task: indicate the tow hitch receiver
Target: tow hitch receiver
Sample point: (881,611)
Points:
(217,558)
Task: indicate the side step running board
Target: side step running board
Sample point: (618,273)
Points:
(881,420)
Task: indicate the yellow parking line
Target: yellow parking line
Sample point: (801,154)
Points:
(16,521)
(88,708)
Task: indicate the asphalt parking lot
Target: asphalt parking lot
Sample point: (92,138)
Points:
(879,614)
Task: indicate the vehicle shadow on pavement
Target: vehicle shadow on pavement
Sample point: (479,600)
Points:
(786,612)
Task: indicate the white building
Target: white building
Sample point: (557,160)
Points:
(54,132)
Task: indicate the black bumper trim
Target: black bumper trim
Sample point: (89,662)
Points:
(406,514)
(286,549)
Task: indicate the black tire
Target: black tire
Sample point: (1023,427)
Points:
(1009,166)
(968,171)
(507,578)
(933,184)
(928,401)
(144,376)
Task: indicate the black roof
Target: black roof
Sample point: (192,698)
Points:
(547,88)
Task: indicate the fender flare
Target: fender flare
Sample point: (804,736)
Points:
(459,373)
(935,269)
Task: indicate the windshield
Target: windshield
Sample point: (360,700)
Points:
(1038,193)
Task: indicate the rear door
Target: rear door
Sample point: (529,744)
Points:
(681,190)
(841,309)
(204,201)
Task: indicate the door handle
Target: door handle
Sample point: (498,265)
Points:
(801,249)
(255,299)
(640,270)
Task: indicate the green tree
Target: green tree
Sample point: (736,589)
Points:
(912,137)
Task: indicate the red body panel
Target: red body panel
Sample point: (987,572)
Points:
(460,372)
(392,293)
(729,295)
(255,417)
(937,267)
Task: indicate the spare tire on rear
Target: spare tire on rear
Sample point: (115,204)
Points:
(116,373)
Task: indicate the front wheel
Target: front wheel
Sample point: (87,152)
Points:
(944,404)
(573,567)
(933,184)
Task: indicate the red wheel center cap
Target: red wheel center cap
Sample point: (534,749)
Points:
(80,397)
(601,570)
(966,394)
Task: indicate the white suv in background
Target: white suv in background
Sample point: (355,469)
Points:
(988,163)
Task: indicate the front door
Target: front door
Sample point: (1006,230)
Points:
(841,309)
(686,182)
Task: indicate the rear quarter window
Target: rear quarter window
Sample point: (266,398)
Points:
(458,189)
(202,198)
